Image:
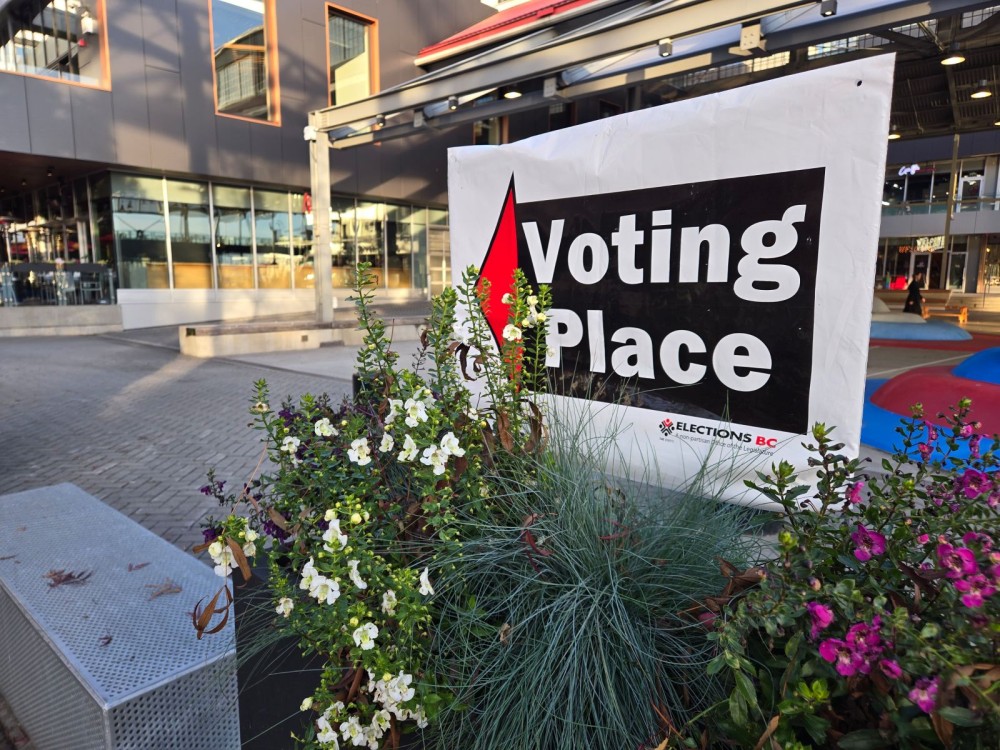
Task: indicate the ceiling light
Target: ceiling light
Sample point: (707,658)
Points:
(50,171)
(954,56)
(828,8)
(665,47)
(997,123)
(982,90)
(893,133)
(512,92)
(452,103)
(379,121)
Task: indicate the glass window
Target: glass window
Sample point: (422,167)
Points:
(274,250)
(351,41)
(190,235)
(246,76)
(400,247)
(61,39)
(342,242)
(233,237)
(368,236)
(140,232)
(302,243)
(942,184)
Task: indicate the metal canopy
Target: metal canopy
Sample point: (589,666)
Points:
(617,48)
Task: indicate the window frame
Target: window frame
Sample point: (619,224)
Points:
(375,84)
(102,33)
(271,57)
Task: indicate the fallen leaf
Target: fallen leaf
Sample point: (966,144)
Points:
(505,633)
(105,640)
(66,578)
(132,567)
(8,557)
(163,589)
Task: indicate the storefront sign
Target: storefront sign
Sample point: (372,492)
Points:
(710,263)
(929,244)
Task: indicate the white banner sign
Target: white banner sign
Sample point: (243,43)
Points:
(711,264)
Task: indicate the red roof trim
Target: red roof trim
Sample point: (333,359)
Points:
(504,21)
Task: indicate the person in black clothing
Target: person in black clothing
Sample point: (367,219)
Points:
(915,300)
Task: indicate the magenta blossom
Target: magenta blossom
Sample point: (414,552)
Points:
(854,493)
(923,539)
(974,483)
(925,451)
(924,694)
(956,561)
(841,655)
(974,446)
(890,668)
(869,543)
(821,617)
(975,589)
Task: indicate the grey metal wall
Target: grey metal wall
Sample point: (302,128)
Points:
(160,112)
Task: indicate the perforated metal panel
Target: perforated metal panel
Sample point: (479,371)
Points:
(110,662)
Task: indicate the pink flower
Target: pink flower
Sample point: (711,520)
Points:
(923,539)
(924,694)
(975,589)
(869,543)
(866,642)
(925,451)
(974,483)
(821,616)
(842,656)
(956,561)
(891,669)
(932,433)
(854,493)
(974,446)
(966,430)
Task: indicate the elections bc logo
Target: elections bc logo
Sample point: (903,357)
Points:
(667,427)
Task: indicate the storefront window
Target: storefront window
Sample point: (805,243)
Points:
(301,243)
(140,232)
(399,247)
(941,188)
(368,234)
(274,251)
(342,242)
(957,261)
(102,219)
(245,59)
(233,237)
(918,188)
(190,235)
(56,39)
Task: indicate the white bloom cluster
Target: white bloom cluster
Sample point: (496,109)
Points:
(290,445)
(392,691)
(389,602)
(324,428)
(437,455)
(359,452)
(333,532)
(324,590)
(223,557)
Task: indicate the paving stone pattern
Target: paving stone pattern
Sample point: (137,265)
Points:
(137,426)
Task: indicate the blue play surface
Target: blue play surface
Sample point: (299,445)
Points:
(931,330)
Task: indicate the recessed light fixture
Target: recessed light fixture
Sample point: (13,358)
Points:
(893,133)
(665,47)
(379,121)
(452,103)
(828,8)
(512,92)
(982,90)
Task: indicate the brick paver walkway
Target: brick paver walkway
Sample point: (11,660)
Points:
(136,426)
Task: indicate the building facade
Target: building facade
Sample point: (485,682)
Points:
(154,150)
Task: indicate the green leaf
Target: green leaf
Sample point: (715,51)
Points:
(863,739)
(737,708)
(816,727)
(745,686)
(715,666)
(793,645)
(960,717)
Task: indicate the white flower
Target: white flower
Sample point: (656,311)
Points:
(251,535)
(450,446)
(389,602)
(323,428)
(324,589)
(225,562)
(507,299)
(354,575)
(399,689)
(372,735)
(360,453)
(284,608)
(215,549)
(461,332)
(420,716)
(532,300)
(353,731)
(290,445)
(307,703)
(425,584)
(327,735)
(387,442)
(249,549)
(511,332)
(395,405)
(416,412)
(435,457)
(381,721)
(365,636)
(409,451)
(260,407)
(308,573)
(333,532)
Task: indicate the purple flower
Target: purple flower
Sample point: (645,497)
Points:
(924,694)
(975,589)
(841,655)
(821,617)
(974,483)
(925,451)
(210,534)
(891,669)
(974,446)
(869,543)
(956,561)
(932,433)
(854,493)
(966,430)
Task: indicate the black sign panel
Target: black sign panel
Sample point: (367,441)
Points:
(696,299)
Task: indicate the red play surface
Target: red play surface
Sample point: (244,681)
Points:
(978,342)
(938,390)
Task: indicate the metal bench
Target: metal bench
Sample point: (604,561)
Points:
(97,650)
